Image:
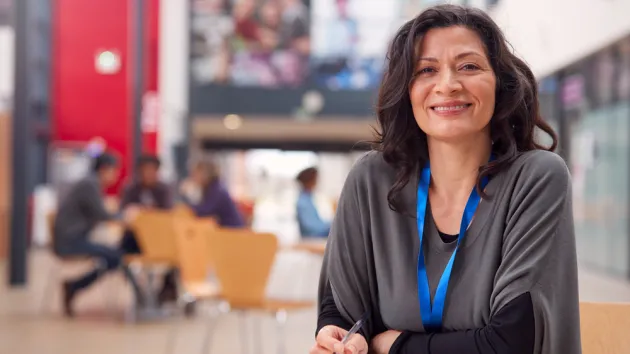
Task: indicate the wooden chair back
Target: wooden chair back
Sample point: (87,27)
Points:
(192,250)
(605,328)
(242,261)
(156,234)
(183,210)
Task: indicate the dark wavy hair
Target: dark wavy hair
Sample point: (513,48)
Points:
(516,113)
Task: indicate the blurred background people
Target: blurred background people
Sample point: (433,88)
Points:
(82,209)
(146,191)
(309,220)
(208,197)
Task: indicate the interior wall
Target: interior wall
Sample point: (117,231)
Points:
(89,104)
(551,34)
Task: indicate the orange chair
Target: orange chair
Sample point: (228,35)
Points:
(605,328)
(193,260)
(243,261)
(155,232)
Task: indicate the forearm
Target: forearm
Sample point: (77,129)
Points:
(328,312)
(510,331)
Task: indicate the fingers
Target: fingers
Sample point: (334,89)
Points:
(356,345)
(317,349)
(329,338)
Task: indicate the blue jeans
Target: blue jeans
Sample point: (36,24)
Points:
(110,259)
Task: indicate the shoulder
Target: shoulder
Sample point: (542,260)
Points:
(371,166)
(541,168)
(87,183)
(540,163)
(129,186)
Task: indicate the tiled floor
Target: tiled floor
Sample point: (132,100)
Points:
(27,328)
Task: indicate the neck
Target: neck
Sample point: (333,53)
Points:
(455,167)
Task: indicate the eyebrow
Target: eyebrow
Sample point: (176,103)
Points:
(457,57)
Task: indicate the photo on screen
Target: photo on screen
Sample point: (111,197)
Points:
(623,80)
(349,41)
(262,57)
(251,43)
(5,12)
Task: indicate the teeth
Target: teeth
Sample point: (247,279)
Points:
(449,108)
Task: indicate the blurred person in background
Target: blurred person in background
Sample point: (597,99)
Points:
(208,197)
(79,212)
(246,26)
(295,26)
(309,220)
(146,191)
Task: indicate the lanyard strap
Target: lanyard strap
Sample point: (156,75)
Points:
(432,314)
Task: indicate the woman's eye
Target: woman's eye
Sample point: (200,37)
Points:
(425,70)
(470,67)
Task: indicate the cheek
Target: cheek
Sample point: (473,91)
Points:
(418,96)
(485,93)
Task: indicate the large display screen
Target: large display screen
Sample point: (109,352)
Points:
(5,12)
(263,55)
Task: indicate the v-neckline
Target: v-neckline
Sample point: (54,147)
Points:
(481,218)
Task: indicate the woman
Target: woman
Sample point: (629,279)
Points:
(207,196)
(434,267)
(309,221)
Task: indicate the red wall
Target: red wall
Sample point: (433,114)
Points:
(88,104)
(150,139)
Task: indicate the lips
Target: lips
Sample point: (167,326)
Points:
(451,108)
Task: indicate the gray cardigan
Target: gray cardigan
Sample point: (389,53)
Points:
(520,241)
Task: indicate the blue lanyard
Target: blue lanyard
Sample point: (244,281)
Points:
(432,314)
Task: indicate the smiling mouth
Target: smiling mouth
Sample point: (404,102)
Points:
(451,109)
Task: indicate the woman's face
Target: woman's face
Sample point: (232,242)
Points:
(199,176)
(270,14)
(453,92)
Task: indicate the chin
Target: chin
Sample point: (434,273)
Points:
(457,135)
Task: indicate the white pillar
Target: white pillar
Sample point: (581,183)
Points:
(6,67)
(173,79)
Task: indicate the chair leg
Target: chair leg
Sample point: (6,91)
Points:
(207,338)
(171,339)
(215,314)
(172,333)
(257,338)
(281,320)
(51,280)
(106,291)
(244,332)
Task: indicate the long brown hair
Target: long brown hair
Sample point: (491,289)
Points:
(516,113)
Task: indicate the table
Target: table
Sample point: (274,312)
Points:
(312,246)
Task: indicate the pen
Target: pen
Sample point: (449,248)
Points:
(357,326)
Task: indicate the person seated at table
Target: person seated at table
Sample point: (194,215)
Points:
(208,197)
(79,212)
(310,222)
(146,191)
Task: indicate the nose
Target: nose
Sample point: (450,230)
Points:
(448,83)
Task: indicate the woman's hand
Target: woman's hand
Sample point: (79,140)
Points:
(382,343)
(329,341)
